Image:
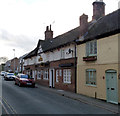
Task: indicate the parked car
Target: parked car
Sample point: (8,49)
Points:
(9,76)
(2,73)
(24,80)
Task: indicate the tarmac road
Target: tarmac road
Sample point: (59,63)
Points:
(27,100)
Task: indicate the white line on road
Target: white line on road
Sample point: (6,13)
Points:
(8,105)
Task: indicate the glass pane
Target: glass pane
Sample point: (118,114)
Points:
(95,47)
(87,77)
(91,48)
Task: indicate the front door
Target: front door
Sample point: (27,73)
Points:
(111,86)
(51,78)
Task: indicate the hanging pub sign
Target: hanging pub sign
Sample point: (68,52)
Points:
(40,59)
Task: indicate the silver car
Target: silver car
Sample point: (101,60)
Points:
(9,76)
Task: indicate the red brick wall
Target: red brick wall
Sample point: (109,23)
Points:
(60,84)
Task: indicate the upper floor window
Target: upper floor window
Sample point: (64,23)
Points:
(91,48)
(62,53)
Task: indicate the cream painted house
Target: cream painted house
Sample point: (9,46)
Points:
(98,63)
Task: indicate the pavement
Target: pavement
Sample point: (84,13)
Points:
(85,99)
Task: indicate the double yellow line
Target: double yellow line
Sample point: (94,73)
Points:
(12,110)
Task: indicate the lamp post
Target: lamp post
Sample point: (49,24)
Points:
(14,60)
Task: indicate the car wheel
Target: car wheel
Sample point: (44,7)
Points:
(33,86)
(19,84)
(15,83)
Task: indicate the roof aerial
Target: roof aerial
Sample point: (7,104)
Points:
(99,0)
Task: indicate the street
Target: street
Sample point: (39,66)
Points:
(28,100)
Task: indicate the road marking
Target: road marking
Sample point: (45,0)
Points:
(8,105)
(4,107)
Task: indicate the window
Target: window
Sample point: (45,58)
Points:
(91,76)
(45,74)
(62,53)
(91,48)
(47,56)
(39,74)
(57,75)
(67,75)
(60,72)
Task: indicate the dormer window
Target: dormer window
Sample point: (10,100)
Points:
(91,48)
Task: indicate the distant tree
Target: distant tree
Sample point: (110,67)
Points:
(3,59)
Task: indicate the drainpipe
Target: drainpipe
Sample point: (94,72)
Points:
(75,69)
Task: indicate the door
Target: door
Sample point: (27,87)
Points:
(33,74)
(111,86)
(51,78)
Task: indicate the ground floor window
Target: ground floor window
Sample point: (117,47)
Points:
(39,73)
(91,76)
(45,74)
(57,71)
(67,75)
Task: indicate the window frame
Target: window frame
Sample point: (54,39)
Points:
(57,75)
(67,76)
(62,53)
(39,74)
(91,48)
(91,77)
(45,74)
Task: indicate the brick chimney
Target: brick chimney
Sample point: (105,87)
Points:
(83,24)
(98,9)
(48,33)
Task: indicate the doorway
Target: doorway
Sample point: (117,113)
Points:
(111,86)
(51,79)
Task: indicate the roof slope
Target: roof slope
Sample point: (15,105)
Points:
(61,40)
(105,26)
(33,52)
(102,27)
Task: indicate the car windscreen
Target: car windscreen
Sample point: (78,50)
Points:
(24,76)
(10,74)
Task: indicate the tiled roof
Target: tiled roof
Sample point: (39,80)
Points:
(61,40)
(34,52)
(56,42)
(105,26)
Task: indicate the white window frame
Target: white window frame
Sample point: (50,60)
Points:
(62,53)
(90,77)
(91,48)
(45,74)
(39,73)
(60,72)
(57,74)
(67,76)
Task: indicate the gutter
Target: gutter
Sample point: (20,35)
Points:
(75,69)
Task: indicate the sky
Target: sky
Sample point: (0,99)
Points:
(23,22)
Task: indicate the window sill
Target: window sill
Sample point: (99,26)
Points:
(67,82)
(45,79)
(90,58)
(89,85)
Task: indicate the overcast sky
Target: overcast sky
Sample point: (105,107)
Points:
(23,22)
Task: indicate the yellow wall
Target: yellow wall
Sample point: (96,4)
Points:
(119,66)
(107,58)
